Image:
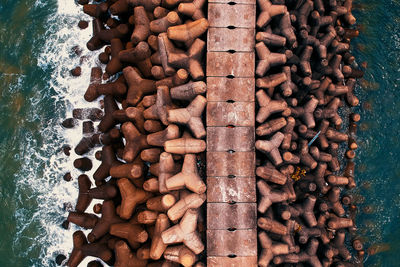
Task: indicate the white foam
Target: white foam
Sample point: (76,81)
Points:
(42,173)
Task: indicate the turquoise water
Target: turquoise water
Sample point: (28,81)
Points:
(378,166)
(36,90)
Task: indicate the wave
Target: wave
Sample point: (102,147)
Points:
(40,177)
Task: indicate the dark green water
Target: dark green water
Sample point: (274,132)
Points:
(26,107)
(36,93)
(36,39)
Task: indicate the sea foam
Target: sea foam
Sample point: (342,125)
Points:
(42,172)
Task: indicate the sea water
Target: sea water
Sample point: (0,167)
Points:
(378,157)
(37,39)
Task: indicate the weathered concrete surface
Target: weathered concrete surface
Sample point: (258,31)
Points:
(232,262)
(222,89)
(226,164)
(225,242)
(224,39)
(225,189)
(230,138)
(225,15)
(222,216)
(225,63)
(231,189)
(236,114)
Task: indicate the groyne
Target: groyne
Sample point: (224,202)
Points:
(277,74)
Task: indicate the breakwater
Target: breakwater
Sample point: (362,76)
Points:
(309,89)
(151,147)
(376,44)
